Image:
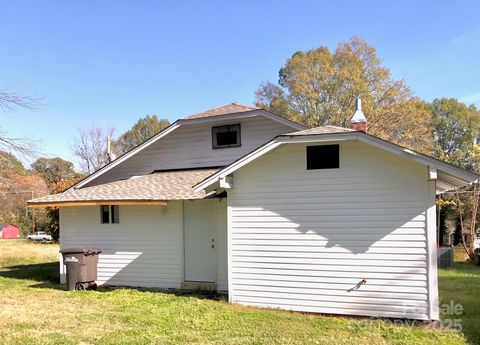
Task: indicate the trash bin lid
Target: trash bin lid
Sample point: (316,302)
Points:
(80,250)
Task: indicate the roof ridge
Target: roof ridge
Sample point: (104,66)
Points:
(324,129)
(222,110)
(338,127)
(245,106)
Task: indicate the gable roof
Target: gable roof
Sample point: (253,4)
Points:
(448,177)
(321,130)
(160,186)
(237,111)
(209,115)
(232,108)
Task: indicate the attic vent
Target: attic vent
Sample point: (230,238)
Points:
(323,157)
(225,136)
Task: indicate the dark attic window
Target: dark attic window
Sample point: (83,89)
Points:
(105,214)
(109,214)
(225,136)
(323,157)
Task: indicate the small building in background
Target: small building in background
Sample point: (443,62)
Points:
(9,231)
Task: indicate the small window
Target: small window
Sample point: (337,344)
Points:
(323,157)
(105,214)
(115,216)
(226,136)
(109,214)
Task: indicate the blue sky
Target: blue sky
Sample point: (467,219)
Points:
(112,62)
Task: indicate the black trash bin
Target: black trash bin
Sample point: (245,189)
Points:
(81,267)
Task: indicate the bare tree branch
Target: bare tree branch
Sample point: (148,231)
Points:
(24,146)
(11,99)
(90,148)
(462,224)
(474,199)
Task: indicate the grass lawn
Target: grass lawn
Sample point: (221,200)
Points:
(35,309)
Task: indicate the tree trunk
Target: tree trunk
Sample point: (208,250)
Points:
(470,249)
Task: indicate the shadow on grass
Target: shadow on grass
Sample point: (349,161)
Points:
(201,294)
(46,273)
(461,284)
(47,276)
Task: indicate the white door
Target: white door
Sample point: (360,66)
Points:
(199,225)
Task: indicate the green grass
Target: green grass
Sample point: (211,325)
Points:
(461,284)
(35,309)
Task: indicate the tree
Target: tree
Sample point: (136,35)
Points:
(52,224)
(407,123)
(470,196)
(456,126)
(90,147)
(141,131)
(59,175)
(8,101)
(9,163)
(55,171)
(13,196)
(318,87)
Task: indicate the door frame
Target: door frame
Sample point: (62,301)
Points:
(199,285)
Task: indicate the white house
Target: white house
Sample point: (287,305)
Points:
(236,199)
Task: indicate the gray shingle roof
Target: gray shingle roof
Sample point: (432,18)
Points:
(171,185)
(231,108)
(321,130)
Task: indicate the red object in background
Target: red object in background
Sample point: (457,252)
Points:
(9,231)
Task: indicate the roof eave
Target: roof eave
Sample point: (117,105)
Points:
(119,202)
(459,174)
(243,115)
(125,156)
(446,182)
(274,143)
(450,169)
(177,124)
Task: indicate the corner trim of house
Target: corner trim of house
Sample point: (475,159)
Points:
(431,232)
(229,250)
(183,244)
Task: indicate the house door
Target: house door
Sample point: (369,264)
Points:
(199,225)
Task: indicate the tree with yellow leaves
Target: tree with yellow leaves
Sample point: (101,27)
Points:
(456,128)
(319,87)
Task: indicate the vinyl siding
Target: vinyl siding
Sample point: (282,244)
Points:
(190,146)
(145,249)
(302,240)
